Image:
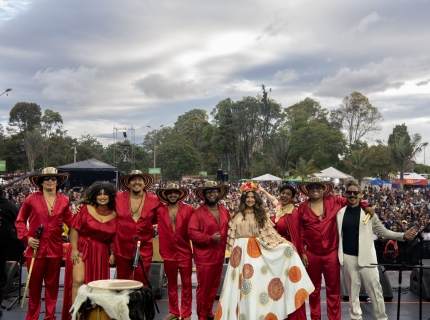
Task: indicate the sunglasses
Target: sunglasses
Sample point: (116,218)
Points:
(355,193)
(315,187)
(211,191)
(49,178)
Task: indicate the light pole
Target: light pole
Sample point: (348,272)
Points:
(74,153)
(6,91)
(155,141)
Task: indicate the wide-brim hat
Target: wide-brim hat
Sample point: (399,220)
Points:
(161,193)
(49,172)
(200,192)
(148,180)
(326,186)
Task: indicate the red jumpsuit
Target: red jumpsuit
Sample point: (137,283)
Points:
(289,228)
(321,241)
(47,265)
(208,255)
(124,244)
(175,249)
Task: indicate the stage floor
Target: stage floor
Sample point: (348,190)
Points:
(409,309)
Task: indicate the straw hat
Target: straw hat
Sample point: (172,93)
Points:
(49,172)
(200,192)
(148,180)
(326,186)
(161,193)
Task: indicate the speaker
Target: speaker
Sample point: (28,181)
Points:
(221,283)
(387,291)
(157,279)
(415,280)
(12,271)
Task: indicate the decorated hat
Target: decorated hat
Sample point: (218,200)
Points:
(49,172)
(200,192)
(148,180)
(162,193)
(327,187)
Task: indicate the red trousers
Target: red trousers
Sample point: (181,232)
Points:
(185,270)
(329,266)
(208,278)
(124,270)
(44,270)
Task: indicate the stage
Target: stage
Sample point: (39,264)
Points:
(409,307)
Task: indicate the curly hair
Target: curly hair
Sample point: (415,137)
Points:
(90,196)
(260,213)
(289,187)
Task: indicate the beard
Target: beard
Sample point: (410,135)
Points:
(173,202)
(211,202)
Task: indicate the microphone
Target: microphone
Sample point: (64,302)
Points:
(136,255)
(366,219)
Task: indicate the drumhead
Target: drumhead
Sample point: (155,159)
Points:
(115,284)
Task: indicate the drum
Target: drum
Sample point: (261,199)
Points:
(104,299)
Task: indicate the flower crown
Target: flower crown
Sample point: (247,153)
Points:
(247,187)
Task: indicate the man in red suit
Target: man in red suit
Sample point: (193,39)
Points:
(50,209)
(208,229)
(320,240)
(175,248)
(137,216)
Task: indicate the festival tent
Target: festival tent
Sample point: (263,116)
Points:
(85,173)
(332,173)
(413,179)
(267,177)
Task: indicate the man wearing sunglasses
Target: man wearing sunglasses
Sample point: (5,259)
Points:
(208,229)
(357,252)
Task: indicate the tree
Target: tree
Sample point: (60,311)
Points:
(358,117)
(281,149)
(24,116)
(92,143)
(399,131)
(358,163)
(304,168)
(33,141)
(51,121)
(176,159)
(404,152)
(304,112)
(381,163)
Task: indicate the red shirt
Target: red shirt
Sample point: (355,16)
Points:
(174,244)
(124,241)
(35,210)
(289,228)
(201,228)
(321,236)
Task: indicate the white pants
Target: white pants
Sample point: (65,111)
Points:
(370,276)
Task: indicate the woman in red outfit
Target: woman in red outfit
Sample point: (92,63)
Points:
(91,233)
(287,223)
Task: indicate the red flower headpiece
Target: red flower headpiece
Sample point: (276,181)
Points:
(248,186)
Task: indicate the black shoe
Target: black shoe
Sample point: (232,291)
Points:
(1,313)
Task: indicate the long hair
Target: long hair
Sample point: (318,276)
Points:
(259,212)
(90,196)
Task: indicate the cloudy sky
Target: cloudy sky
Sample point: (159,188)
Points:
(110,63)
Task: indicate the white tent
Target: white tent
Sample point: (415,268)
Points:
(267,177)
(333,174)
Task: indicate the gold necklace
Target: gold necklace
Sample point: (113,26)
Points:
(51,206)
(131,209)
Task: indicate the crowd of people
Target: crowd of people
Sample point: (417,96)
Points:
(282,238)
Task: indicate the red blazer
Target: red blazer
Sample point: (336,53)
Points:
(174,245)
(127,228)
(35,210)
(200,230)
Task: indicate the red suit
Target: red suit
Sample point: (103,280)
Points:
(175,249)
(288,227)
(47,265)
(127,229)
(321,240)
(93,242)
(208,255)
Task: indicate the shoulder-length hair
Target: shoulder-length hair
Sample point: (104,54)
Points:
(259,212)
(90,196)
